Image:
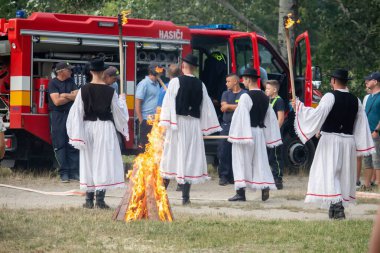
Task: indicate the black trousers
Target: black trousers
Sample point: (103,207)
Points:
(143,130)
(276,162)
(66,155)
(225,155)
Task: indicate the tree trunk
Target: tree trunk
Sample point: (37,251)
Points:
(285,7)
(254,28)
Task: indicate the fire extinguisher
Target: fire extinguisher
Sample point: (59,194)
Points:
(40,94)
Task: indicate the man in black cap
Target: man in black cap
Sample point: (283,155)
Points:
(111,76)
(372,109)
(253,128)
(62,93)
(188,113)
(147,94)
(345,134)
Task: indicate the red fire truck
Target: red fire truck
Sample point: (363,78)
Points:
(30,48)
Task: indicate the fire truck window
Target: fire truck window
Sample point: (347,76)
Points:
(300,59)
(299,69)
(243,53)
(268,61)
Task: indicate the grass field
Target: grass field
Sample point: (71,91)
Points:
(77,230)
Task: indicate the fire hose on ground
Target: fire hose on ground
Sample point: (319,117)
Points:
(364,195)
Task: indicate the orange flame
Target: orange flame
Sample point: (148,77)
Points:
(148,177)
(159,70)
(289,21)
(124,16)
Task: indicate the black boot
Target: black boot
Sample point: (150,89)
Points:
(240,195)
(166,183)
(186,194)
(339,211)
(179,187)
(331,211)
(279,184)
(89,200)
(265,194)
(100,200)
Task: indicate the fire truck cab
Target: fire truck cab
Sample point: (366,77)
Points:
(30,48)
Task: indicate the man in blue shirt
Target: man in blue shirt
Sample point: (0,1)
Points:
(229,101)
(372,109)
(147,93)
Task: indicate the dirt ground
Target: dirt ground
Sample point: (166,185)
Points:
(207,199)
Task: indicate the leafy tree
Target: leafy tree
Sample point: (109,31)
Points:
(263,14)
(345,33)
(8,8)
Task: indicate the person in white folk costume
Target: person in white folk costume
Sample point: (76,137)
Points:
(188,114)
(254,127)
(96,112)
(345,134)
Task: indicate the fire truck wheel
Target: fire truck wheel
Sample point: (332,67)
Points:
(297,156)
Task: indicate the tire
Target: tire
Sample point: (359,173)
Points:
(298,156)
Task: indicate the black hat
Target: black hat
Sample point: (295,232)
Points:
(63,65)
(250,72)
(97,64)
(373,76)
(191,59)
(341,74)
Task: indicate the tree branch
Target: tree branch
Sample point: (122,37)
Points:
(348,14)
(226,4)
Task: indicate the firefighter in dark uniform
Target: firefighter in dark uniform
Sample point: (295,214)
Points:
(62,93)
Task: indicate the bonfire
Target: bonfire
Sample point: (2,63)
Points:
(146,197)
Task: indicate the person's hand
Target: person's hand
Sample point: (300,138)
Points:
(317,135)
(224,108)
(293,101)
(375,134)
(122,96)
(140,120)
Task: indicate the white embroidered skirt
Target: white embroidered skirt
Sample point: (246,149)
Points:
(101,165)
(250,163)
(184,157)
(333,171)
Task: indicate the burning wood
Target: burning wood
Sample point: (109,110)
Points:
(146,197)
(289,21)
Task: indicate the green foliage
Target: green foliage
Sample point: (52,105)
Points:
(199,12)
(344,33)
(8,8)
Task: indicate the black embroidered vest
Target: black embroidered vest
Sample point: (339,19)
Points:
(342,116)
(259,108)
(97,100)
(189,96)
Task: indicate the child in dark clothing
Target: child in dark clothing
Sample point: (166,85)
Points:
(275,154)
